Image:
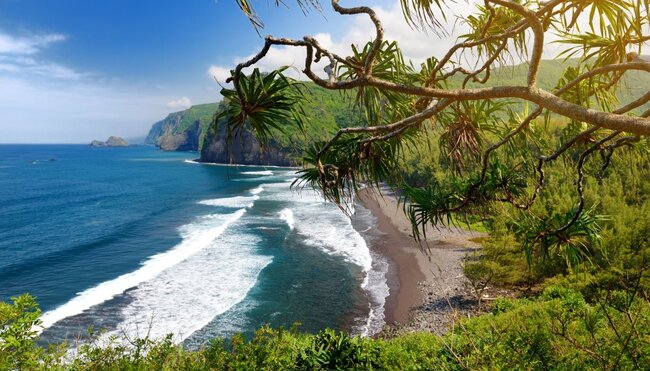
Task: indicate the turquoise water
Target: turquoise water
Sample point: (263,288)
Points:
(138,241)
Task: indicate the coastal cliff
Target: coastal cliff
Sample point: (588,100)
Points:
(194,130)
(244,149)
(183,130)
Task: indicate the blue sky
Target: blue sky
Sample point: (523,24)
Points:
(75,70)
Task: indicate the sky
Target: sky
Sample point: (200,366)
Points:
(76,70)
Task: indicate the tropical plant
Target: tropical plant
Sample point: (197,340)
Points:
(492,147)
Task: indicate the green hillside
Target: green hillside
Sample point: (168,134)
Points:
(179,124)
(634,83)
(202,113)
(326,110)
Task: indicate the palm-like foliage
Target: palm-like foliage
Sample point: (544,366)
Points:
(422,13)
(615,26)
(489,135)
(349,164)
(437,202)
(547,237)
(269,102)
(464,126)
(247,8)
(380,105)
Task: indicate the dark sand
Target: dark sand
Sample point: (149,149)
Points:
(401,251)
(427,286)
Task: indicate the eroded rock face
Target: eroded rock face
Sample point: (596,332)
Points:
(164,134)
(245,149)
(185,141)
(177,133)
(112,141)
(116,142)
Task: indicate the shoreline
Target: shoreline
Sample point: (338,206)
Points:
(427,287)
(398,248)
(198,162)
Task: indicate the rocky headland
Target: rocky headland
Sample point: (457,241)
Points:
(194,129)
(112,141)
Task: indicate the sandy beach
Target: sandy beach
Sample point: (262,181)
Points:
(427,287)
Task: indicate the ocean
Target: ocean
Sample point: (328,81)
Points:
(140,242)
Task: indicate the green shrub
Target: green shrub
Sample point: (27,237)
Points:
(559,330)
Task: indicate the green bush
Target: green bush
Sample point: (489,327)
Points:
(559,330)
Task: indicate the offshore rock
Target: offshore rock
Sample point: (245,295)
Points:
(112,141)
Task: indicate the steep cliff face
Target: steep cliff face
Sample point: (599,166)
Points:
(191,130)
(163,128)
(184,141)
(184,130)
(244,149)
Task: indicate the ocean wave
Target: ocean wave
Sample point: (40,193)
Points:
(257,190)
(324,226)
(188,296)
(261,172)
(335,237)
(377,288)
(234,202)
(287,216)
(196,236)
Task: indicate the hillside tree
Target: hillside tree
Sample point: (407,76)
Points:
(488,133)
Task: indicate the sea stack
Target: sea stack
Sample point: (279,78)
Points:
(112,141)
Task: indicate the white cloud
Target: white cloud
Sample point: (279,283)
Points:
(219,73)
(415,45)
(27,45)
(17,57)
(182,103)
(73,107)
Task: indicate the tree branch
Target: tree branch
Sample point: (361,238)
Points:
(538,30)
(378,27)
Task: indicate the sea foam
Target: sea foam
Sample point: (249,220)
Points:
(322,225)
(287,216)
(186,297)
(325,227)
(257,190)
(235,202)
(262,172)
(196,236)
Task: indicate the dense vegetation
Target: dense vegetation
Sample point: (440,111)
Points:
(559,330)
(554,162)
(323,112)
(180,122)
(585,308)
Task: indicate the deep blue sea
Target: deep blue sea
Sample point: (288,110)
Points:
(137,241)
